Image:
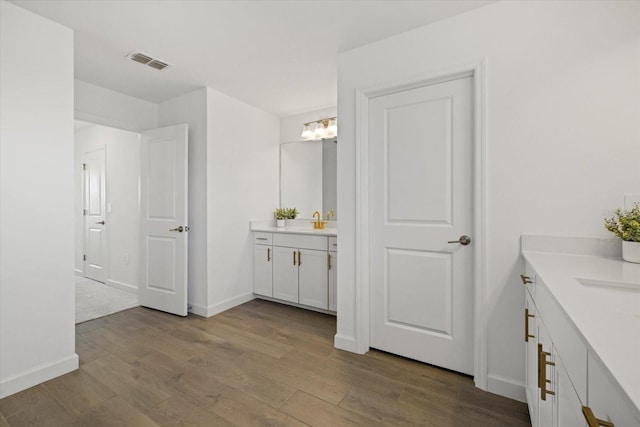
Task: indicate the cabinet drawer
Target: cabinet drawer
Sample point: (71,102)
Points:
(261,238)
(300,241)
(333,244)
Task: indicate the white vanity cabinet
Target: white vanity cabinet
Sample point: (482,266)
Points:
(333,273)
(300,269)
(566,384)
(263,265)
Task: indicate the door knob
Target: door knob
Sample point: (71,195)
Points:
(463,240)
(179,229)
(100,222)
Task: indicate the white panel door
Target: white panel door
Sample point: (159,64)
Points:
(95,242)
(420,145)
(263,270)
(163,207)
(313,278)
(285,273)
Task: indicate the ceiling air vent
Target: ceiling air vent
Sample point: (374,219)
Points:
(158,65)
(147,60)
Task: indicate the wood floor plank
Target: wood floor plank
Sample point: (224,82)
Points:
(140,389)
(116,412)
(78,391)
(88,350)
(317,412)
(3,421)
(36,407)
(180,411)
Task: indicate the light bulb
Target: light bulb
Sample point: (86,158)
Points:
(306,132)
(332,130)
(319,131)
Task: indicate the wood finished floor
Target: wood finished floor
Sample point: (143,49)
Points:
(258,364)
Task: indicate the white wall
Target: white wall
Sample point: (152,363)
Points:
(122,150)
(106,107)
(562,136)
(192,109)
(37,340)
(242,185)
(291,126)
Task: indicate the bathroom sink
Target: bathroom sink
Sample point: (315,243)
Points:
(631,286)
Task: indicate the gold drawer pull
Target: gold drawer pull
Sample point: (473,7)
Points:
(261,238)
(527,335)
(542,373)
(294,257)
(299,258)
(525,279)
(592,421)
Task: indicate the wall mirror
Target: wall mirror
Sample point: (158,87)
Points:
(308,176)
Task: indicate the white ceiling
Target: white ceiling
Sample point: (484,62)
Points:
(279,56)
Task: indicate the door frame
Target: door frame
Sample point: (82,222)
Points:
(474,70)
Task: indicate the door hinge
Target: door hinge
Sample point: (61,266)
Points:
(84,212)
(84,166)
(84,257)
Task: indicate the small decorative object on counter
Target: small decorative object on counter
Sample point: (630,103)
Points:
(282,214)
(626,225)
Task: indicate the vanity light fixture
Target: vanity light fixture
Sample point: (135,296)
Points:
(320,129)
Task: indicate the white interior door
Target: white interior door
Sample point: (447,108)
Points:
(163,207)
(420,143)
(95,243)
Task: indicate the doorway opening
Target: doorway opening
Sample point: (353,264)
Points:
(107,233)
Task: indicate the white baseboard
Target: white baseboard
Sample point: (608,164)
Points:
(343,342)
(198,310)
(79,273)
(225,305)
(37,375)
(122,286)
(506,387)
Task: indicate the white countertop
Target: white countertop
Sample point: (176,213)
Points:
(293,227)
(608,318)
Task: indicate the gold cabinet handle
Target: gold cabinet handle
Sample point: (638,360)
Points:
(527,335)
(542,373)
(261,238)
(525,279)
(268,254)
(329,261)
(294,257)
(592,421)
(299,258)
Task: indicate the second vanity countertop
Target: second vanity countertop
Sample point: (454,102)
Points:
(607,317)
(295,227)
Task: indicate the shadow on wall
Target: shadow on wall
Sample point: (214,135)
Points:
(505,335)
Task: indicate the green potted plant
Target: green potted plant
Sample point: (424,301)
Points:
(626,225)
(282,214)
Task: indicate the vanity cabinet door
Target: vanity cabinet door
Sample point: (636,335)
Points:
(263,270)
(313,277)
(607,401)
(569,405)
(333,281)
(530,337)
(285,273)
(547,381)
